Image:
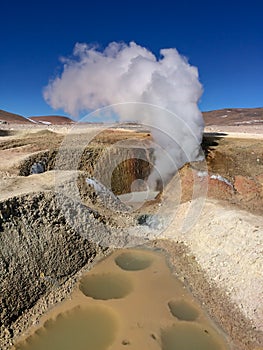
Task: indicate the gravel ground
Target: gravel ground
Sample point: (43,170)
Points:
(228,244)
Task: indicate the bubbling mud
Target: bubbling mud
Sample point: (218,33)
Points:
(80,329)
(133,261)
(183,310)
(189,336)
(130,299)
(106,286)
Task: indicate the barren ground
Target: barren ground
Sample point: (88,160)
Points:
(219,255)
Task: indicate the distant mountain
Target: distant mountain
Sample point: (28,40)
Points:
(52,119)
(234,116)
(12,118)
(226,116)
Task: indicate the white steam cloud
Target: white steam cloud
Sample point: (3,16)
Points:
(160,92)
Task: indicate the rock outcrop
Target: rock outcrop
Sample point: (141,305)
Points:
(42,244)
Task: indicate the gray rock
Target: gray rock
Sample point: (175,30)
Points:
(42,244)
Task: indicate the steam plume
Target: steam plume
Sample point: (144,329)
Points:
(130,73)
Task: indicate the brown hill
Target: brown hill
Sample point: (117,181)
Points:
(6,117)
(234,116)
(52,119)
(226,116)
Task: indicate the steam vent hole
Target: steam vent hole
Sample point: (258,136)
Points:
(130,171)
(133,261)
(106,286)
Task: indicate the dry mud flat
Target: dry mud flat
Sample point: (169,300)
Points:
(219,258)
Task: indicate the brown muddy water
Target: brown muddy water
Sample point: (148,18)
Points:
(129,300)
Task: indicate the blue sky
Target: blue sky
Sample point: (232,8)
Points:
(223,39)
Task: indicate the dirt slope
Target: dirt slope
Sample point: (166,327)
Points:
(234,116)
(52,119)
(12,118)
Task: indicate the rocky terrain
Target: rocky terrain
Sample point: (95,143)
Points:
(55,223)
